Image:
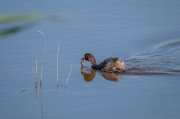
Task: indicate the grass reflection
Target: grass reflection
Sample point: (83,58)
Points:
(25,21)
(13,18)
(14,29)
(20,22)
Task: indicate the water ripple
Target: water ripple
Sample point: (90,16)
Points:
(163,59)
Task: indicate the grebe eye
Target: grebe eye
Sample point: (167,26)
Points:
(87,57)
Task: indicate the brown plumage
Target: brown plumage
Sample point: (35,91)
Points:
(112,64)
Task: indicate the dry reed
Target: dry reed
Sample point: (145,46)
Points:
(43,53)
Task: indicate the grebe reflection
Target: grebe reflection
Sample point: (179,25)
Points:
(89,73)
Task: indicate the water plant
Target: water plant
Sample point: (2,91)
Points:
(43,54)
(58,65)
(68,76)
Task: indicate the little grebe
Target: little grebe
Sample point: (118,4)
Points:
(112,64)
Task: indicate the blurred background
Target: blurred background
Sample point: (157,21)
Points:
(144,34)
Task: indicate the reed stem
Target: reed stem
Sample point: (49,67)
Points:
(43,53)
(58,63)
(68,75)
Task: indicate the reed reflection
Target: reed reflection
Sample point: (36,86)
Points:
(41,100)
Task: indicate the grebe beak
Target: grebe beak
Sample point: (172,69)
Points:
(83,58)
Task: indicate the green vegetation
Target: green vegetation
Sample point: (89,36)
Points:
(24,22)
(14,23)
(13,18)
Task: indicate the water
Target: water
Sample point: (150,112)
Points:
(144,34)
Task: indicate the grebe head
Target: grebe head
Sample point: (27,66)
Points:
(89,57)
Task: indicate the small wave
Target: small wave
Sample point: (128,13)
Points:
(168,44)
(164,59)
